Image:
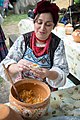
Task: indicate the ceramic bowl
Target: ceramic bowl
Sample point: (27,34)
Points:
(76,35)
(27,110)
(68,29)
(7,113)
(60,30)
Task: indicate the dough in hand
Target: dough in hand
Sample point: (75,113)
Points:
(34,66)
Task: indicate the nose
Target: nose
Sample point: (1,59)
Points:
(43,26)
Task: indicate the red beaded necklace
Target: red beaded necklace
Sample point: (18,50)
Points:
(39,51)
(44,41)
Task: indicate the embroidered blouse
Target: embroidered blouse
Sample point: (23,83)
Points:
(59,62)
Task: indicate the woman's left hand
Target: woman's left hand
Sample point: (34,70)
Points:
(41,72)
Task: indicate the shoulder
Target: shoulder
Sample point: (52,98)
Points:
(19,42)
(55,41)
(23,36)
(20,39)
(27,35)
(55,37)
(27,38)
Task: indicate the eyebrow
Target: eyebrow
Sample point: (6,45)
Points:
(46,21)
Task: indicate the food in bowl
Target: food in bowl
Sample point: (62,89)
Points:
(30,97)
(39,90)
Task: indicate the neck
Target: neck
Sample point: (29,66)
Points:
(41,41)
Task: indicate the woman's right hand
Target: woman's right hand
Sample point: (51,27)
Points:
(21,66)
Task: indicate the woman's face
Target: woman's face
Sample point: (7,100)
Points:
(43,26)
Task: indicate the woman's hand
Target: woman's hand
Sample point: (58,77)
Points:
(23,65)
(41,72)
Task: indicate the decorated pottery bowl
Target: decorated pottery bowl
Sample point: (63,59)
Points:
(76,35)
(35,97)
(68,29)
(60,30)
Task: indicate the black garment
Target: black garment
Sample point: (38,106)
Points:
(3,48)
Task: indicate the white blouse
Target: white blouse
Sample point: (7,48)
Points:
(59,62)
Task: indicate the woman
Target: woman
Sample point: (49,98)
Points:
(41,47)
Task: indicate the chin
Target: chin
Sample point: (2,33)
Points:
(42,37)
